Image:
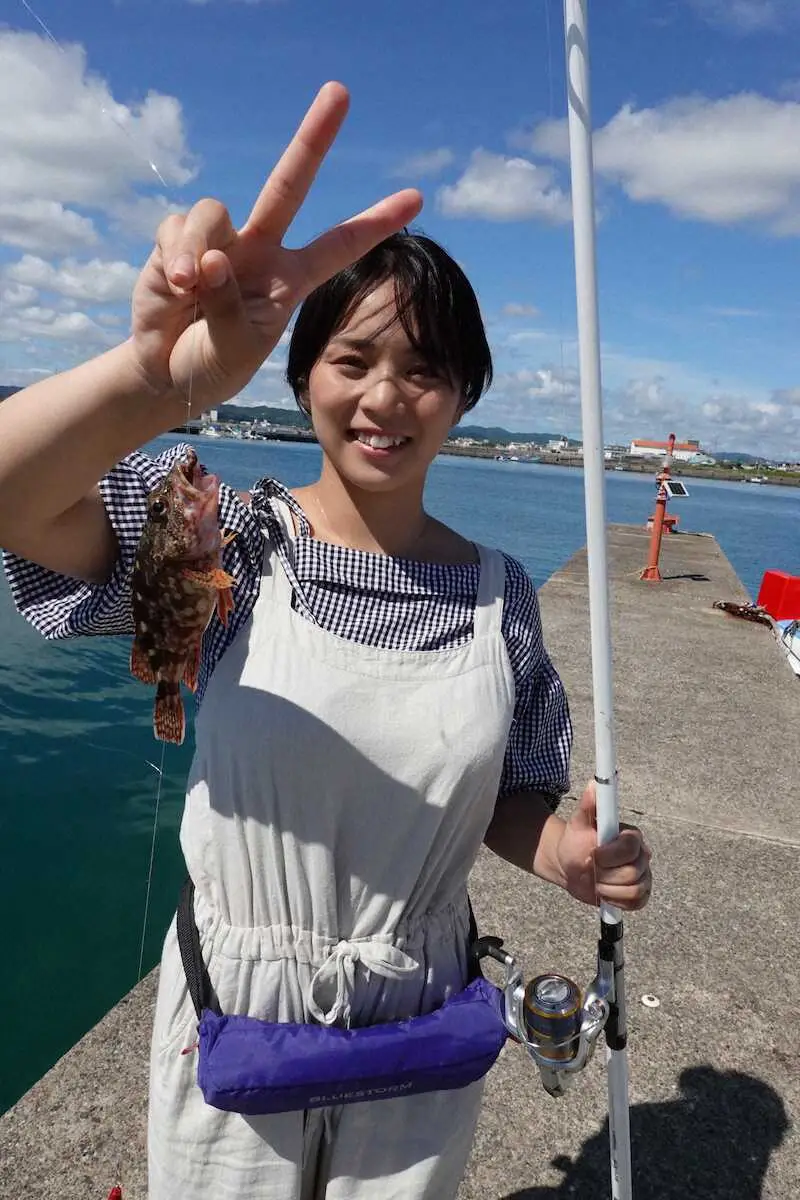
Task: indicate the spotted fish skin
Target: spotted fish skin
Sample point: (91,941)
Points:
(177,582)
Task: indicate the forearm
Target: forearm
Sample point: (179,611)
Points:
(524,831)
(60,436)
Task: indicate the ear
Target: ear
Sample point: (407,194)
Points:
(459,413)
(303,398)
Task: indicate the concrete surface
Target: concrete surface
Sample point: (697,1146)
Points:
(715,1069)
(708,713)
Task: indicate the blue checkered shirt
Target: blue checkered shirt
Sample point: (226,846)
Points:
(373,599)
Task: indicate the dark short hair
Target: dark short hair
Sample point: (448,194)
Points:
(436,306)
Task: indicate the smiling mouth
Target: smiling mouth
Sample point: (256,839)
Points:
(377,441)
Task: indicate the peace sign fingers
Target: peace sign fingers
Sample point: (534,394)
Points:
(289,182)
(342,245)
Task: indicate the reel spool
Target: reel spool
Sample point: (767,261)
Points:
(556,1023)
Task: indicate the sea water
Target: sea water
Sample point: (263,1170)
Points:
(80,766)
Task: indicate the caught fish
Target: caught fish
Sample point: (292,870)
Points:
(177,583)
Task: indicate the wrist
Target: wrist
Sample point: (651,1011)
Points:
(547,860)
(145,383)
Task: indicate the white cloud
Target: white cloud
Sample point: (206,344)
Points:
(513,309)
(722,419)
(94,282)
(140,217)
(36,321)
(746,16)
(723,161)
(735,312)
(432,162)
(497,188)
(521,336)
(18,295)
(67,146)
(44,226)
(642,397)
(542,398)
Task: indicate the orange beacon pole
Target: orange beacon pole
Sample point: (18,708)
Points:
(651,571)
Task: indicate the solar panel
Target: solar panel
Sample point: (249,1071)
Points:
(675,487)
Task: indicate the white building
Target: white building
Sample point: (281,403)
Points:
(682,452)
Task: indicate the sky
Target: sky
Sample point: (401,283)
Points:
(140,107)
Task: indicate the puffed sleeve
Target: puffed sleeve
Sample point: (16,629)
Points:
(540,741)
(61,607)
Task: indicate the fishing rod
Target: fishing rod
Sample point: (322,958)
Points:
(576,36)
(557,1024)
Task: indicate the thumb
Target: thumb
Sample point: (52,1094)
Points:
(229,330)
(586,815)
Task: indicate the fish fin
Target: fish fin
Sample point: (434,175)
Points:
(192,669)
(140,664)
(169,721)
(224,604)
(215,578)
(227,537)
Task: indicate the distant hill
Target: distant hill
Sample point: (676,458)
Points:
(263,412)
(494,434)
(734,456)
(290,416)
(497,435)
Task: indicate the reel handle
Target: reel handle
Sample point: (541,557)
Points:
(489,947)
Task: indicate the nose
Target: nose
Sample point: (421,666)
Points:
(384,393)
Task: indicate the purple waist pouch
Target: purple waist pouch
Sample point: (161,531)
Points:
(256,1067)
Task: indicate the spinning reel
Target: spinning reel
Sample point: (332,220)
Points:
(556,1023)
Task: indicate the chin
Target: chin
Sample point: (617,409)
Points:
(375,481)
(374,476)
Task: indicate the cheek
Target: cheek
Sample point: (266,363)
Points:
(444,412)
(327,391)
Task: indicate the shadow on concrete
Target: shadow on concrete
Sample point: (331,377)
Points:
(713,1143)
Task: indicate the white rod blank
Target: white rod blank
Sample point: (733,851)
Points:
(583,216)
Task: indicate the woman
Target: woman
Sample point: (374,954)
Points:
(380,703)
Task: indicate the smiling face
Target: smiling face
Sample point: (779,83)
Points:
(379,410)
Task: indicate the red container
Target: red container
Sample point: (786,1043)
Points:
(780,595)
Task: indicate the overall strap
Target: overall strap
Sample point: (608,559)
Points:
(491,593)
(194,967)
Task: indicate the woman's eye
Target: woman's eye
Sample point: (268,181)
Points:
(351,360)
(424,371)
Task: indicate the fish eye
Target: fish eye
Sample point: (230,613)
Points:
(158,508)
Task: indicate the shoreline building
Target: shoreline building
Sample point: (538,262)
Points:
(688,452)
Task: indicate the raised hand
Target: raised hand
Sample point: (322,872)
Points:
(243,285)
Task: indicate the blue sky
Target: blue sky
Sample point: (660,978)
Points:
(697,144)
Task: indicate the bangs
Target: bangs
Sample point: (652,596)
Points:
(434,303)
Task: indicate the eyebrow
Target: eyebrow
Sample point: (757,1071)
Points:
(352,343)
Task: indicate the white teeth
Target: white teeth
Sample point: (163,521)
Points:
(379,443)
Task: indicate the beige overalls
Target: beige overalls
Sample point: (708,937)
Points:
(336,803)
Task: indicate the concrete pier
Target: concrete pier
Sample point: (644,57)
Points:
(708,713)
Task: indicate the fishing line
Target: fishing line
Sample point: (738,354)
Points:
(550,71)
(138,149)
(549,41)
(160,772)
(51,36)
(160,769)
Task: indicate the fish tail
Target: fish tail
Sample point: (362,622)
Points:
(169,721)
(224,604)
